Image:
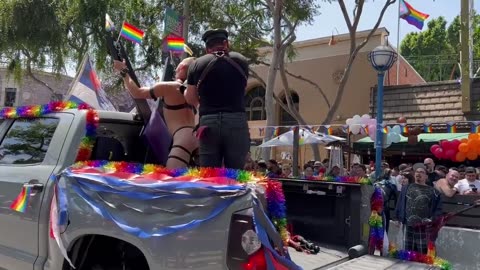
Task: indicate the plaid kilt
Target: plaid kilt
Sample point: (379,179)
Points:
(416,238)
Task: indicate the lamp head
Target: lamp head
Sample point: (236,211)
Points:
(382,58)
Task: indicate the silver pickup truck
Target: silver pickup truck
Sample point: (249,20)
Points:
(32,150)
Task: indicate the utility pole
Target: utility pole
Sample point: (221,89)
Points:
(465,62)
(186,22)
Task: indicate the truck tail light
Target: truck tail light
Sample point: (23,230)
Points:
(243,242)
(256,261)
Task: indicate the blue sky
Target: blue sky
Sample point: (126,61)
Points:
(331,17)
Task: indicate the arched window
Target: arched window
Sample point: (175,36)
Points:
(285,118)
(255,104)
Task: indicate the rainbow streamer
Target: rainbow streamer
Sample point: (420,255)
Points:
(35,111)
(277,209)
(375,241)
(88,141)
(130,32)
(175,44)
(21,202)
(427,128)
(451,127)
(413,256)
(411,15)
(145,169)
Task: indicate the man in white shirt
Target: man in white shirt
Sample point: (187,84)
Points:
(470,185)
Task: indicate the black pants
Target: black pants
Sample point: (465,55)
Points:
(225,141)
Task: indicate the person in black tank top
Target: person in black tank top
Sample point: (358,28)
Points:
(216,83)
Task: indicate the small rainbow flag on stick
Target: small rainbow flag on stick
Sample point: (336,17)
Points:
(329,130)
(451,127)
(404,128)
(475,126)
(130,32)
(276,132)
(411,15)
(175,44)
(21,202)
(427,128)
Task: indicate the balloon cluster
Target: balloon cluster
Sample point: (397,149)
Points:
(447,150)
(357,123)
(469,148)
(458,150)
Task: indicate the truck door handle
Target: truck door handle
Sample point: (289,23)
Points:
(35,185)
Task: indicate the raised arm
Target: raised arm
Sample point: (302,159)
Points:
(158,90)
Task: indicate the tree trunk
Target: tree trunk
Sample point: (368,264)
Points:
(272,75)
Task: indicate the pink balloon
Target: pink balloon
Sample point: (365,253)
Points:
(439,153)
(445,144)
(450,154)
(455,144)
(434,147)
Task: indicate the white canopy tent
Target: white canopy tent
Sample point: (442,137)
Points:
(305,137)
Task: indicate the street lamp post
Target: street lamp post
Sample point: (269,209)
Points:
(382,58)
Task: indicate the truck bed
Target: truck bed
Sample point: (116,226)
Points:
(331,258)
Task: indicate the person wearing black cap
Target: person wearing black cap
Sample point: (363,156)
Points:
(216,83)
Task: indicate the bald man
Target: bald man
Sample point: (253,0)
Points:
(179,115)
(446,185)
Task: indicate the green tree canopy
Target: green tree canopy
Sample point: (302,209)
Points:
(59,33)
(434,53)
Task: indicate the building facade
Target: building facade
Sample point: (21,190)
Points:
(322,63)
(32,90)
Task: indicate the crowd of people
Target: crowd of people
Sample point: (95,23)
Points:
(415,189)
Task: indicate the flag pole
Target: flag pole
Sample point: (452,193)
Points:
(120,32)
(398,44)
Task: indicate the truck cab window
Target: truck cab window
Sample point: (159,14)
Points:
(27,141)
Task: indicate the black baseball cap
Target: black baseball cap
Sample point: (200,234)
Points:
(214,34)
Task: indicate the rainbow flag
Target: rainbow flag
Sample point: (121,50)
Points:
(427,128)
(276,132)
(411,15)
(451,127)
(366,129)
(385,130)
(21,202)
(329,130)
(404,128)
(130,32)
(475,127)
(175,44)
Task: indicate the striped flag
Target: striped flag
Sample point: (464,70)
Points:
(132,33)
(475,126)
(86,88)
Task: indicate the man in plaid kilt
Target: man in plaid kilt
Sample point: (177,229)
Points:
(418,204)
